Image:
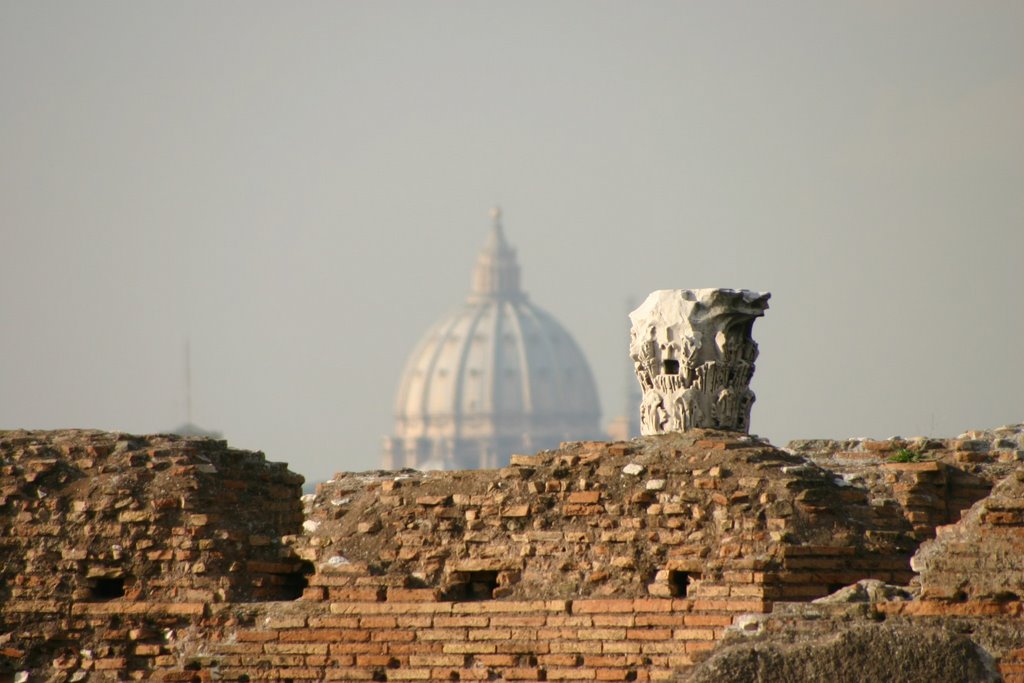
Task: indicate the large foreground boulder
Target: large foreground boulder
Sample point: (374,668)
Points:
(861,654)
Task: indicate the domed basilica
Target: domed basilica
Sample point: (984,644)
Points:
(497,376)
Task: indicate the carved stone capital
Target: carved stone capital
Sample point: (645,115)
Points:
(694,358)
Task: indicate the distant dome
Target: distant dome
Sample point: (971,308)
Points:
(496,376)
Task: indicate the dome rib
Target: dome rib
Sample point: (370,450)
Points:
(524,365)
(431,370)
(495,364)
(409,370)
(555,386)
(570,351)
(460,375)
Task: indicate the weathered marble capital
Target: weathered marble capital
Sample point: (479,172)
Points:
(694,358)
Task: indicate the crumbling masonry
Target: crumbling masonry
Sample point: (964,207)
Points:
(165,558)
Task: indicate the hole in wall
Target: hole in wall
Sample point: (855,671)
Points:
(833,587)
(294,583)
(472,586)
(107,588)
(679,582)
(670,366)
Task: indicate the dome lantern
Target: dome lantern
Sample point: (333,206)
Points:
(496,275)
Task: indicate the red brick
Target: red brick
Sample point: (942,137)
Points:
(257,636)
(649,633)
(665,619)
(574,674)
(469,648)
(392,636)
(441,634)
(494,606)
(520,674)
(694,634)
(334,622)
(532,647)
(518,620)
(324,635)
(599,606)
(437,660)
(375,622)
(707,620)
(584,497)
(296,648)
(413,594)
(623,647)
(490,634)
(660,605)
(372,647)
(109,663)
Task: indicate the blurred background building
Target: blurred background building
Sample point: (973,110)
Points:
(497,376)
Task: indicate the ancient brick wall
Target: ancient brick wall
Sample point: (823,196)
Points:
(98,528)
(969,587)
(160,558)
(932,480)
(532,640)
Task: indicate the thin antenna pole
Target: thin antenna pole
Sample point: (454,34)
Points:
(188,382)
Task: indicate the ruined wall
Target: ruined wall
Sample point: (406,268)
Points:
(623,561)
(899,635)
(653,517)
(932,480)
(982,557)
(962,612)
(98,526)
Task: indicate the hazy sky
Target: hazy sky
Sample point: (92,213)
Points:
(301,189)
